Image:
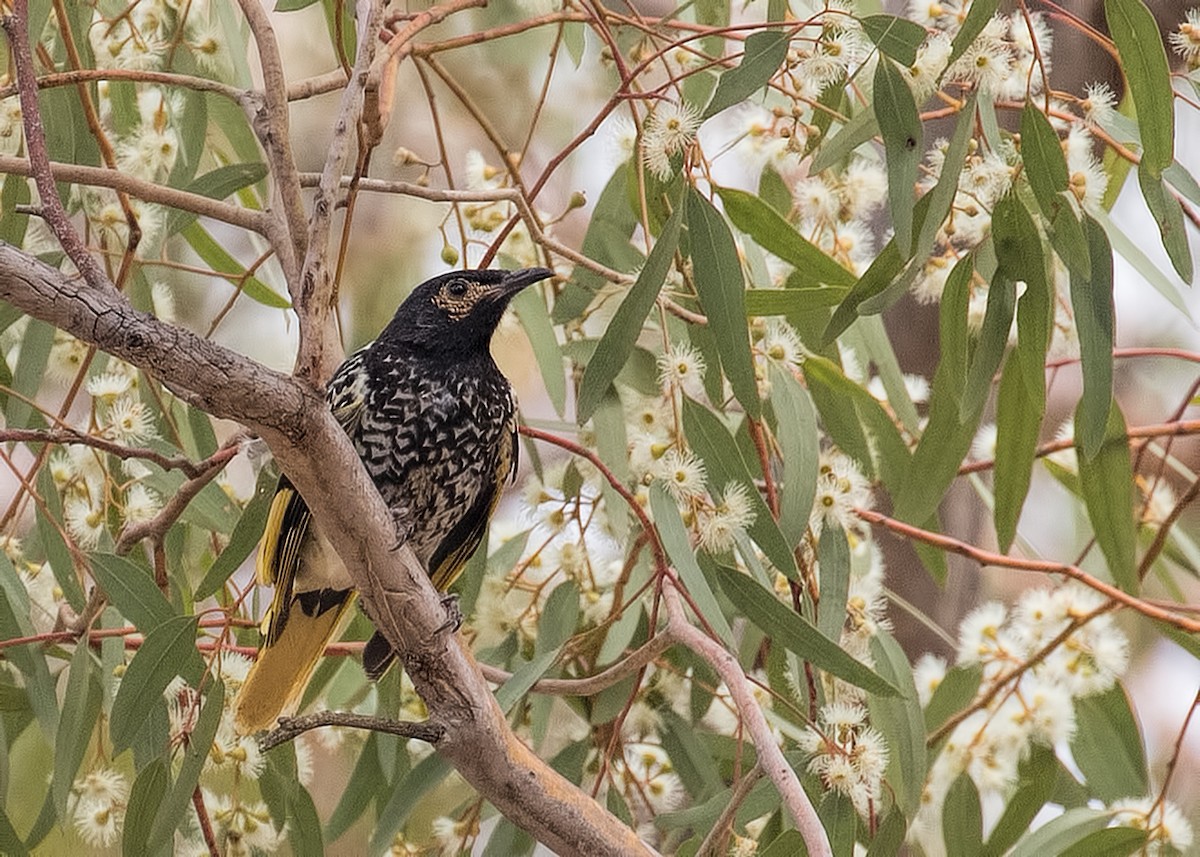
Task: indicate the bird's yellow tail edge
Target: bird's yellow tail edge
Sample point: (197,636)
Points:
(276,681)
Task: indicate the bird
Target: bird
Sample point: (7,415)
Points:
(435,423)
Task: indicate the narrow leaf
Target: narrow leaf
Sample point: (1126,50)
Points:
(530,308)
(954,693)
(1107,745)
(900,720)
(216,184)
(1046,167)
(242,540)
(980,13)
(1144,61)
(833,553)
(1036,778)
(81,707)
(799,442)
(151,786)
(898,38)
(775,235)
(719,282)
(903,144)
(224,265)
(1106,482)
(723,460)
(132,591)
(1092,305)
(166,652)
(795,633)
(174,809)
(764,54)
(962,818)
(626,324)
(679,550)
(1168,214)
(1110,842)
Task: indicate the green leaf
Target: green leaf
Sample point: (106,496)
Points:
(407,791)
(861,128)
(27,374)
(366,782)
(954,693)
(132,591)
(885,268)
(292,5)
(558,620)
(169,650)
(989,350)
(1046,167)
(717,273)
(242,540)
(81,707)
(795,633)
(216,184)
(530,307)
(1144,62)
(1092,304)
(962,818)
(1107,745)
(1059,834)
(224,265)
(839,818)
(173,811)
(800,450)
(898,717)
(898,38)
(12,225)
(763,55)
(1134,255)
(1106,482)
(1110,842)
(618,340)
(724,463)
(679,550)
(790,301)
(1019,414)
(903,144)
(833,555)
(690,756)
(1168,214)
(149,789)
(890,836)
(980,13)
(774,234)
(10,841)
(788,844)
(836,396)
(29,658)
(1036,777)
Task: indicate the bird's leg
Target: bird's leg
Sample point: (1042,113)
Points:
(454,616)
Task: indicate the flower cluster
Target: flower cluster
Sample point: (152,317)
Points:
(1186,39)
(1056,646)
(847,754)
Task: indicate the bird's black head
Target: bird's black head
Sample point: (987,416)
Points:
(457,313)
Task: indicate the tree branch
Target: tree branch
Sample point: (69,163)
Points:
(245,218)
(770,757)
(314,293)
(429,731)
(270,121)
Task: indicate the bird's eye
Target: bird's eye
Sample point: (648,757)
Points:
(457,288)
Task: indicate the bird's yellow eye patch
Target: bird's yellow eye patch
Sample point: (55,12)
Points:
(457,297)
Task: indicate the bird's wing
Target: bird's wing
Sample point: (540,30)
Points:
(289,518)
(457,546)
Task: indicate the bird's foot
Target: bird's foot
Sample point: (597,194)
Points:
(454,616)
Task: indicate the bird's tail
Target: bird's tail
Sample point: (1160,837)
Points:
(277,680)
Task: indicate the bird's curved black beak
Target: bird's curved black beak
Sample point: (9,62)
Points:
(514,281)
